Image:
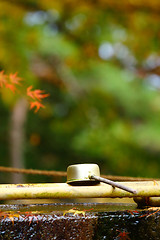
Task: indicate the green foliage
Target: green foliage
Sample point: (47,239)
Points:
(100,63)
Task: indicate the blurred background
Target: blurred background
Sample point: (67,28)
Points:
(100,63)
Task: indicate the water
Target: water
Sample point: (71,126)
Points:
(83,221)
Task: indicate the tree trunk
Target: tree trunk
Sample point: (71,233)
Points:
(17,138)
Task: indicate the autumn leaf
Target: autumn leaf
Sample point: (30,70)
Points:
(10,81)
(3,79)
(36,105)
(10,215)
(36,94)
(31,216)
(39,94)
(29,92)
(74,211)
(11,87)
(15,79)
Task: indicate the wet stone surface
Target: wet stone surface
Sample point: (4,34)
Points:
(78,221)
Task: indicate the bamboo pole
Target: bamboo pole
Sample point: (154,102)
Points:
(64,190)
(147,201)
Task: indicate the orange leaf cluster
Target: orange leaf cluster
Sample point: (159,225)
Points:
(37,95)
(34,96)
(10,215)
(9,81)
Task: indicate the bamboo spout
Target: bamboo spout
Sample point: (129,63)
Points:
(64,190)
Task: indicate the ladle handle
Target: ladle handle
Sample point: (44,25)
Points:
(113,184)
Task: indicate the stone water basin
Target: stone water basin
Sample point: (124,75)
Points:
(79,221)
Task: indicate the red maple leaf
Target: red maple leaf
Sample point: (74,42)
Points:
(3,79)
(11,87)
(10,81)
(36,94)
(39,94)
(15,79)
(37,105)
(30,93)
